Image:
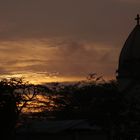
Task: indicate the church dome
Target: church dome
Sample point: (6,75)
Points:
(129,61)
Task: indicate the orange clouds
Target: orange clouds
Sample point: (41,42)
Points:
(58,59)
(72,38)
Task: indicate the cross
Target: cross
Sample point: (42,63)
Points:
(138,19)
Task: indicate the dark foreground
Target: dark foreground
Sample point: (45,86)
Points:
(72,130)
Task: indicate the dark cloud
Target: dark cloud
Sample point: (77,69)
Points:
(85,19)
(4,71)
(73,37)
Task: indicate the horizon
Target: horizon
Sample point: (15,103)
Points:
(37,79)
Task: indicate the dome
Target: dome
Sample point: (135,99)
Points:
(129,61)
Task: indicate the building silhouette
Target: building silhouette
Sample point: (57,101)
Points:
(128,72)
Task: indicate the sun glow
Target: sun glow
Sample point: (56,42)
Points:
(42,77)
(39,104)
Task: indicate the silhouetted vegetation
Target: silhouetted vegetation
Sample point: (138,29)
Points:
(94,99)
(14,95)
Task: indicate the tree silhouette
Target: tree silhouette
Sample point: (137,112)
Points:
(13,92)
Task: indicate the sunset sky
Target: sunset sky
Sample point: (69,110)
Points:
(63,40)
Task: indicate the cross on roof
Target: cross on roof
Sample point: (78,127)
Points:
(138,19)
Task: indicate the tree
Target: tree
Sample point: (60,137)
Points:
(14,95)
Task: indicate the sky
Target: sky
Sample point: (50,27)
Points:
(63,40)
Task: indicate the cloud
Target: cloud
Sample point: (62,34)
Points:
(81,19)
(130,1)
(70,37)
(4,71)
(69,58)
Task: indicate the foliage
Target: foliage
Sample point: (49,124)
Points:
(13,92)
(93,99)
